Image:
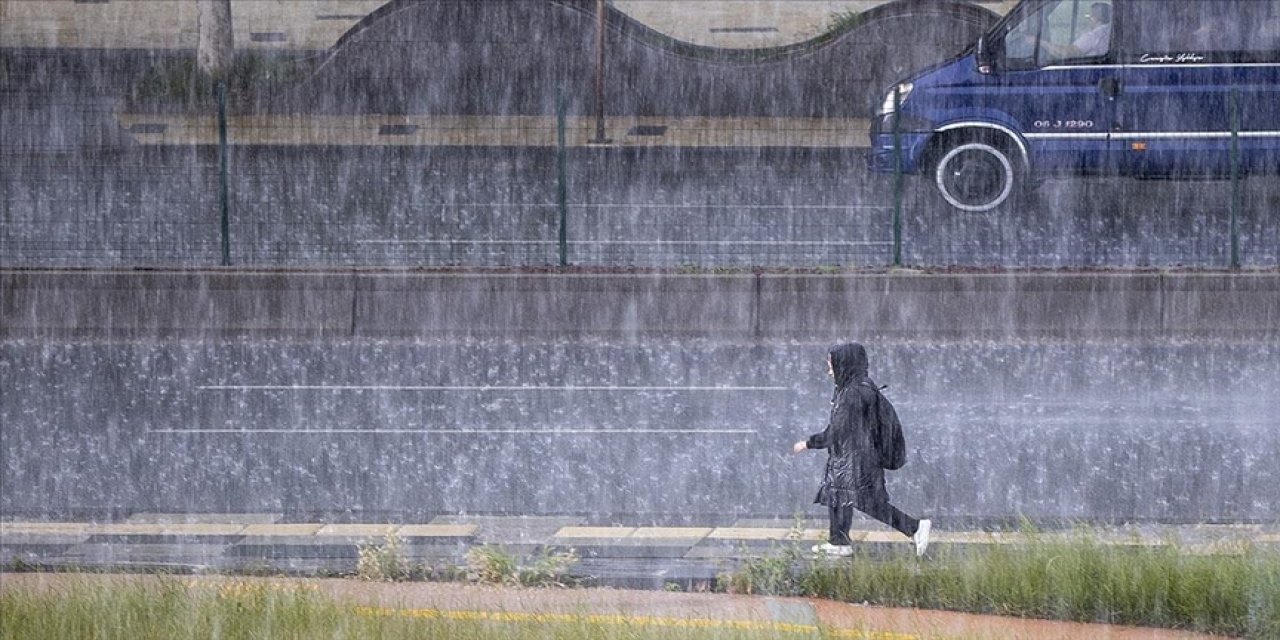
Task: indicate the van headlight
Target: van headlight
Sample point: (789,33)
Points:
(904,90)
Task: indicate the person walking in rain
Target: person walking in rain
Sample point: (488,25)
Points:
(863,438)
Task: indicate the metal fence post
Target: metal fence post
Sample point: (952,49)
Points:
(562,187)
(599,106)
(897,180)
(1235,177)
(220,90)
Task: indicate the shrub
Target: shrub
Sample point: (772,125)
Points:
(491,564)
(384,562)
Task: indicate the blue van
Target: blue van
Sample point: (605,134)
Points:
(1145,88)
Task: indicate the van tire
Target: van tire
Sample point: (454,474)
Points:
(976,175)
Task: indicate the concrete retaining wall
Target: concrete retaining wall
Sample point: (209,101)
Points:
(435,306)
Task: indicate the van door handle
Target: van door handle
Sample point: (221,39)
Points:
(1110,87)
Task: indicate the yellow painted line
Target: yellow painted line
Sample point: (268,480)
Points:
(282,529)
(595,532)
(530,131)
(438,530)
(671,532)
(629,621)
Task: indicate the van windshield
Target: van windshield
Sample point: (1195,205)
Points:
(1058,31)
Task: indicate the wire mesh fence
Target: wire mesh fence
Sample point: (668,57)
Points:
(143,204)
(95,176)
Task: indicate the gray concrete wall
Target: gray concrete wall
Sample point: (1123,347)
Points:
(399,395)
(1072,306)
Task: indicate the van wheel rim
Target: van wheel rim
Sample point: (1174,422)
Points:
(975,177)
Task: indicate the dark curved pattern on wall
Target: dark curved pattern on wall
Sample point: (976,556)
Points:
(509,57)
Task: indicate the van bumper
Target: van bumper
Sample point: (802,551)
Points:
(881,157)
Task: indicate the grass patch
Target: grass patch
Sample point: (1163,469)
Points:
(491,564)
(1233,591)
(170,608)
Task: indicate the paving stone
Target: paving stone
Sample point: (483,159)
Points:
(437,533)
(158,529)
(595,532)
(884,537)
(283,546)
(164,554)
(281,529)
(514,532)
(204,518)
(172,534)
(716,552)
(777,523)
(677,533)
(32,553)
(647,574)
(445,542)
(456,552)
(38,528)
(310,566)
(367,530)
(779,534)
(626,547)
(728,553)
(41,539)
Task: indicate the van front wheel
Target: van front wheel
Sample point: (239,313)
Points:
(976,176)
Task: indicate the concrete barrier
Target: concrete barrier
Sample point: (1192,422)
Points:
(51,304)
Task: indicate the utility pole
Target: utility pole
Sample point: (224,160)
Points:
(599,139)
(215,51)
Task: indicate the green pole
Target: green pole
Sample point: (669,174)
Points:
(1235,178)
(897,180)
(562,187)
(220,89)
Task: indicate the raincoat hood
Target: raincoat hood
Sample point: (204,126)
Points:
(849,362)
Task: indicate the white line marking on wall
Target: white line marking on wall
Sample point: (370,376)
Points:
(465,431)
(353,387)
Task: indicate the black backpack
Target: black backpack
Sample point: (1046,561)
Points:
(891,446)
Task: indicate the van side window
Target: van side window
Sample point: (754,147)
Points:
(1059,32)
(1209,31)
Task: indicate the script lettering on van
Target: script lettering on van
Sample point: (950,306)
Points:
(1167,58)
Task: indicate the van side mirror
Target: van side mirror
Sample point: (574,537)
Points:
(986,55)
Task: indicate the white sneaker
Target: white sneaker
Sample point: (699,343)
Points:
(833,549)
(922,536)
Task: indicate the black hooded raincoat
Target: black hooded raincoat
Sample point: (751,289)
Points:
(861,420)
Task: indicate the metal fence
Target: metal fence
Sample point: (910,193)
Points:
(87,182)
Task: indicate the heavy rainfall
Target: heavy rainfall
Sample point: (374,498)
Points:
(558,279)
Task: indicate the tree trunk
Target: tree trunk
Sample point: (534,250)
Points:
(216,46)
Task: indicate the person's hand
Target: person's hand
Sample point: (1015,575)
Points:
(799,447)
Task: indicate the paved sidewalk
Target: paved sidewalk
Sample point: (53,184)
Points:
(507,131)
(647,557)
(751,616)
